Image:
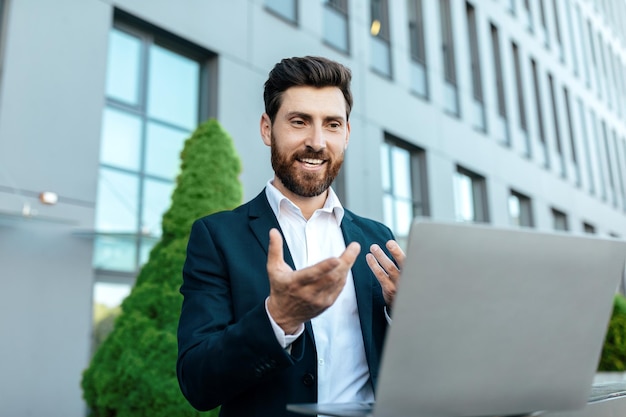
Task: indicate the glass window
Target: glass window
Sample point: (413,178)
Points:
(403,169)
(502,131)
(163,147)
(336,24)
(605,78)
(544,24)
(596,142)
(470,191)
(120,144)
(585,53)
(380,37)
(419,74)
(451,99)
(118,196)
(539,108)
(572,137)
(572,39)
(520,210)
(594,59)
(287,9)
(608,165)
(521,102)
(477,88)
(528,13)
(557,129)
(589,228)
(559,220)
(586,146)
(173,85)
(619,169)
(152,106)
(557,25)
(123,67)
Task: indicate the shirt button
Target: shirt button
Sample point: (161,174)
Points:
(308,379)
(321,362)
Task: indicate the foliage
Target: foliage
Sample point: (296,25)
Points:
(103,318)
(133,373)
(613,356)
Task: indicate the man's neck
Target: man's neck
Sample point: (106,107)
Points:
(307,205)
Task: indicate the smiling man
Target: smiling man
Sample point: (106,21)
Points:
(286,298)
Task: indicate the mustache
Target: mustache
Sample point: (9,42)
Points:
(310,153)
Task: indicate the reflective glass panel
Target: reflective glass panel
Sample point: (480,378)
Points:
(120,145)
(381,62)
(464,200)
(146,245)
(116,210)
(123,67)
(335,28)
(163,149)
(514,209)
(156,200)
(173,84)
(404,215)
(401,165)
(117,253)
(284,8)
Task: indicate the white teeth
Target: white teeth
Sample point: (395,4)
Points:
(313,161)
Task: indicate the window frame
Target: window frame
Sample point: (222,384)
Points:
(479,195)
(418,178)
(150,36)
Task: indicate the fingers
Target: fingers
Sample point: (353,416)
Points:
(380,263)
(396,251)
(350,254)
(386,271)
(331,266)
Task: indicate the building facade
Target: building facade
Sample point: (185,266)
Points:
(508,112)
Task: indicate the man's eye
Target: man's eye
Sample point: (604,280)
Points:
(334,125)
(298,122)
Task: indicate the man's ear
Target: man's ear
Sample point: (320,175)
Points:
(345,146)
(266,129)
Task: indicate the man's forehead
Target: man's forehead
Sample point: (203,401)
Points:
(313,99)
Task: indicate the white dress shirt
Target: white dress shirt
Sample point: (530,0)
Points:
(342,370)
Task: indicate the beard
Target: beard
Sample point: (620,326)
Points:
(303,183)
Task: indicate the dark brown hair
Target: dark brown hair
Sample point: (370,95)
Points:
(305,71)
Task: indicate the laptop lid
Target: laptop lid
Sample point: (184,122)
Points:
(491,321)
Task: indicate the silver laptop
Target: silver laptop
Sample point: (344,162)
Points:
(493,322)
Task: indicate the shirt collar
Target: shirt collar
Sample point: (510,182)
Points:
(278,202)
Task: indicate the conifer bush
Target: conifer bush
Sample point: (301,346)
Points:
(613,358)
(133,372)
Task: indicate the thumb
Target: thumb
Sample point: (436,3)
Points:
(275,249)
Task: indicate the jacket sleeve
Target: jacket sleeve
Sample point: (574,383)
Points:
(221,355)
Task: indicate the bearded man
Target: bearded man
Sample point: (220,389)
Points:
(281,303)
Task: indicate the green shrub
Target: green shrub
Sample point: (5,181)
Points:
(613,358)
(133,372)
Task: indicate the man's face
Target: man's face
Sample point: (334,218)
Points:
(308,139)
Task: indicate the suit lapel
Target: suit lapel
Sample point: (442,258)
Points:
(262,219)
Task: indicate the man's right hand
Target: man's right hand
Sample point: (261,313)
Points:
(298,296)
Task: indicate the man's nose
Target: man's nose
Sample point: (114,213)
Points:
(316,139)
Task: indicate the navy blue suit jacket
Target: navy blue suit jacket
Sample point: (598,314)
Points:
(228,354)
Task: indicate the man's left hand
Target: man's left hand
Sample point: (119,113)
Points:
(386,271)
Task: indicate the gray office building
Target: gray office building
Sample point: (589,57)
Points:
(508,112)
